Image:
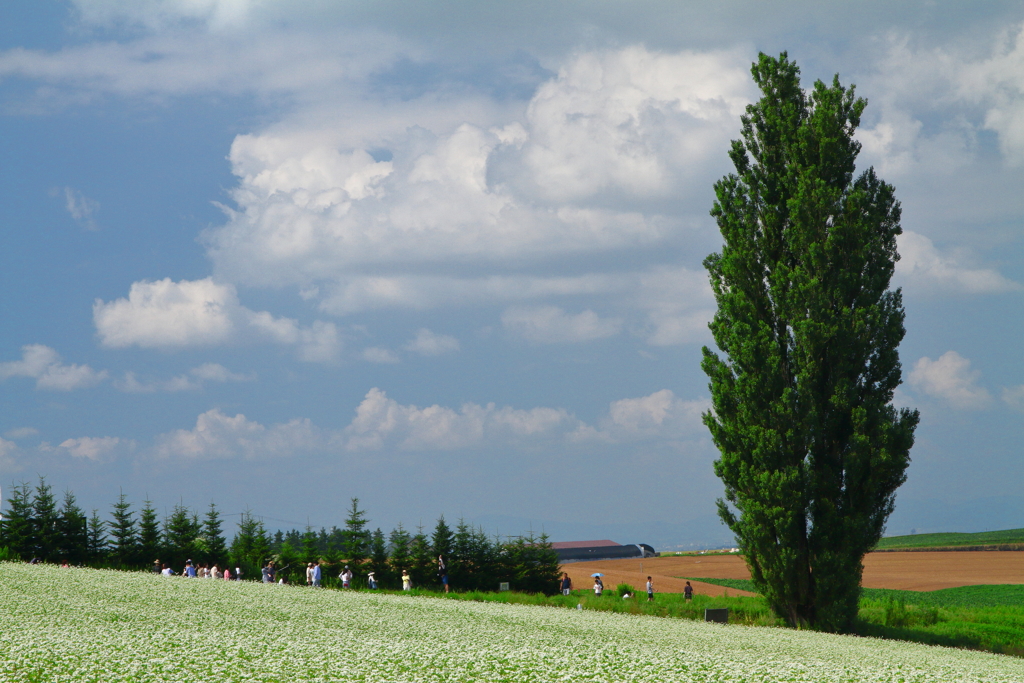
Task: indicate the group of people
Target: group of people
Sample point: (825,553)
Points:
(202,571)
(314,575)
(566,586)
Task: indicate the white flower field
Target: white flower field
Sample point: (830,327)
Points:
(105,626)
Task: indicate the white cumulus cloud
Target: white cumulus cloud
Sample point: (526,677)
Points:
(381,421)
(95,448)
(922,264)
(167,314)
(426,343)
(951,379)
(552,325)
(218,436)
(44,365)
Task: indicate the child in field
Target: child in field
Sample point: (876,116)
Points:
(688,592)
(598,586)
(406,580)
(566,584)
(650,590)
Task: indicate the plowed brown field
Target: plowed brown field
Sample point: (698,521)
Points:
(918,571)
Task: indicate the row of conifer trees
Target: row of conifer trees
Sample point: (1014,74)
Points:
(36,526)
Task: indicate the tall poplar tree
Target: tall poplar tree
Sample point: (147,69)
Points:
(811,448)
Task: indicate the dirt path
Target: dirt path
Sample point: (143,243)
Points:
(919,571)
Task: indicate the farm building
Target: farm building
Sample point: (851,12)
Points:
(582,551)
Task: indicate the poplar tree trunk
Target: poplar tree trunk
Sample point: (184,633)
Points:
(811,448)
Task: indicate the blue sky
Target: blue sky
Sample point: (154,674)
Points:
(446,257)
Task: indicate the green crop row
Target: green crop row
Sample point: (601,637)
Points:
(976,617)
(950,540)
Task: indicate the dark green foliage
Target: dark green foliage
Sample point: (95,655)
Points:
(290,566)
(97,542)
(356,543)
(149,534)
(72,532)
(123,532)
(251,546)
(378,563)
(213,537)
(812,450)
(399,557)
(18,525)
(531,565)
(181,535)
(423,562)
(310,551)
(442,539)
(44,518)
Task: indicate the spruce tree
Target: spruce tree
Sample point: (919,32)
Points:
(216,545)
(357,537)
(442,539)
(44,515)
(811,448)
(398,549)
(97,543)
(124,532)
(379,558)
(251,546)
(72,531)
(149,534)
(181,531)
(422,560)
(310,551)
(18,525)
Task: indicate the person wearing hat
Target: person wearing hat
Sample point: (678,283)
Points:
(372,581)
(346,577)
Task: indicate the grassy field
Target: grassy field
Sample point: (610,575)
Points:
(97,626)
(953,540)
(977,617)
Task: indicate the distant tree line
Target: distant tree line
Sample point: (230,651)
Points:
(35,526)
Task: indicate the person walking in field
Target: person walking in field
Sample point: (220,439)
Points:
(309,574)
(268,572)
(566,584)
(598,586)
(371,580)
(317,574)
(189,570)
(688,592)
(650,590)
(442,572)
(167,571)
(406,580)
(227,573)
(346,577)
